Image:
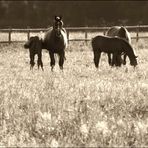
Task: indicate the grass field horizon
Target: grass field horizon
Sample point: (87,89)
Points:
(80,106)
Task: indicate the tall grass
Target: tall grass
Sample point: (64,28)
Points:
(80,106)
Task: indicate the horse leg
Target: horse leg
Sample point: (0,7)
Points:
(40,63)
(61,60)
(114,60)
(32,63)
(118,60)
(52,60)
(97,58)
(124,59)
(109,59)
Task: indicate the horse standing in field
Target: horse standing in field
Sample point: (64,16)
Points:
(55,41)
(108,45)
(35,47)
(123,33)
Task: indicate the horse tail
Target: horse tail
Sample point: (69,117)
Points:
(128,37)
(94,43)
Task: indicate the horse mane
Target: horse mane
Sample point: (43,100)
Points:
(123,33)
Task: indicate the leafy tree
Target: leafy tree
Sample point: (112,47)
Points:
(75,13)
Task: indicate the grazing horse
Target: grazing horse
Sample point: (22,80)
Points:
(55,41)
(35,47)
(108,45)
(123,33)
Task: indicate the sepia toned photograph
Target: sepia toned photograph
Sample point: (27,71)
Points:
(73,73)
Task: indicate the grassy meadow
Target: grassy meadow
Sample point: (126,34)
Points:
(80,106)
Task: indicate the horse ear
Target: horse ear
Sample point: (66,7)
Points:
(55,17)
(37,38)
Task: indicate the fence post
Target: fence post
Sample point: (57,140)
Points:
(68,35)
(137,33)
(86,36)
(104,32)
(28,33)
(10,30)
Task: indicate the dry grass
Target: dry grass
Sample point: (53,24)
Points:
(77,107)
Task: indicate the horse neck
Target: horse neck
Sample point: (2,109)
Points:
(57,38)
(129,51)
(128,37)
(122,33)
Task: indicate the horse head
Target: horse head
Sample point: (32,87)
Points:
(57,26)
(133,62)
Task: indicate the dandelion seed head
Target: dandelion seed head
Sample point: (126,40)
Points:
(141,127)
(84,129)
(45,116)
(121,123)
(54,143)
(102,126)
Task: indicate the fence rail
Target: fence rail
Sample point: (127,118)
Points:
(86,30)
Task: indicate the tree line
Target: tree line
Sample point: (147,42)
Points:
(21,14)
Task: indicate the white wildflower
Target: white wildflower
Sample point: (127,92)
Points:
(84,130)
(54,143)
(7,115)
(144,85)
(12,140)
(121,123)
(43,119)
(141,127)
(102,126)
(46,116)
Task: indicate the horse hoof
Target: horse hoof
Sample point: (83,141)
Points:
(31,67)
(61,67)
(124,63)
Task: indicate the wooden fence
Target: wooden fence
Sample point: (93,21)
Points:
(86,30)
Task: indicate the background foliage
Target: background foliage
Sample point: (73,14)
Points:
(75,13)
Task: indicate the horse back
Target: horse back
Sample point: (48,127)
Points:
(113,31)
(108,44)
(121,32)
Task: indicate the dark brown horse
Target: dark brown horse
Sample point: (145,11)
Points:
(55,41)
(34,44)
(123,33)
(108,45)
